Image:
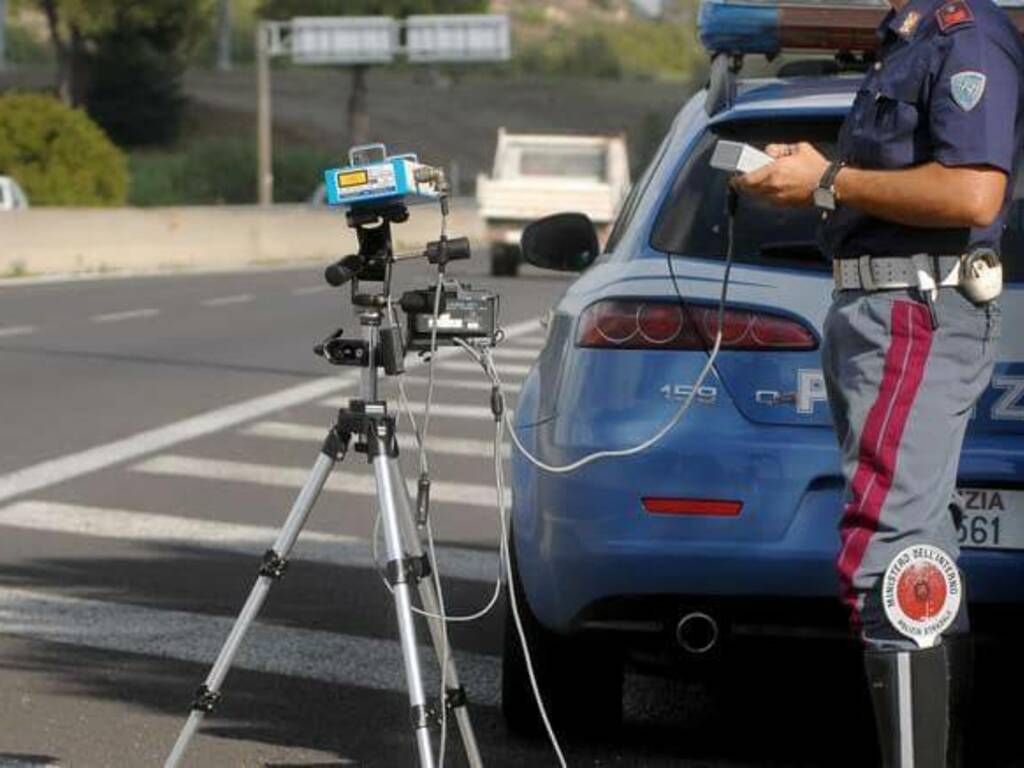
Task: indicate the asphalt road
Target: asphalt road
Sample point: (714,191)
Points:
(153,432)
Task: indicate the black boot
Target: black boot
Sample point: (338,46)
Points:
(960,654)
(921,699)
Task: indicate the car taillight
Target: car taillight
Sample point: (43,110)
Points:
(632,324)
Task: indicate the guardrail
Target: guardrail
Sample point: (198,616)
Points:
(43,241)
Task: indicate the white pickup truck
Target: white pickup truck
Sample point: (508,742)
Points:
(536,175)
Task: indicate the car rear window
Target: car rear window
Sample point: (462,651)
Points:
(693,221)
(577,162)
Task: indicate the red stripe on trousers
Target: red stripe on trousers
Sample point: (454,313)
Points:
(879,450)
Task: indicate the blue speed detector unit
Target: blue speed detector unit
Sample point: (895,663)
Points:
(372,178)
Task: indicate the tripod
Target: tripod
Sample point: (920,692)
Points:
(365,421)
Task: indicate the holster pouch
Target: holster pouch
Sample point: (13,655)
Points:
(981,276)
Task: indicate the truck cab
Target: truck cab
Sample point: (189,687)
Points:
(535,175)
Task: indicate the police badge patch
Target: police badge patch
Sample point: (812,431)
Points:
(968,89)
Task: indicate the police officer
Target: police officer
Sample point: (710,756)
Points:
(914,208)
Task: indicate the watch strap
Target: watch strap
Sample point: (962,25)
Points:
(828,181)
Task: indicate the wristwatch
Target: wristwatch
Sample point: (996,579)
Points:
(825,195)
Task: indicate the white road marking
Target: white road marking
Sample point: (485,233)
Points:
(329,657)
(310,290)
(225,301)
(189,532)
(442,410)
(470,384)
(531,341)
(468,366)
(59,470)
(311,433)
(468,494)
(55,471)
(17,330)
(515,353)
(131,314)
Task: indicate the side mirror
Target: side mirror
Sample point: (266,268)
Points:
(566,242)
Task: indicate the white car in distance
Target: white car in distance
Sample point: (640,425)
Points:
(12,197)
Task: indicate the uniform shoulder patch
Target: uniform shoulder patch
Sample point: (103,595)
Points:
(968,88)
(954,14)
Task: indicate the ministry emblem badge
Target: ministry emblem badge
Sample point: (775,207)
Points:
(922,593)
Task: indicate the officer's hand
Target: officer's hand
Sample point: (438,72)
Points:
(791,180)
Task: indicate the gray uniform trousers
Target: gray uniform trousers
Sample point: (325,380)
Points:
(902,395)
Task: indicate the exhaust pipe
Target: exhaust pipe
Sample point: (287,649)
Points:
(697,633)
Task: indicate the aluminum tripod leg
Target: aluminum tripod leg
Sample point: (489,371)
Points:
(454,695)
(273,564)
(384,467)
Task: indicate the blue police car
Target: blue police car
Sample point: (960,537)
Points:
(727,528)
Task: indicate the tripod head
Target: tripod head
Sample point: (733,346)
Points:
(375,191)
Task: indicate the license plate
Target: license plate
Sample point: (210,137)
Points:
(993,519)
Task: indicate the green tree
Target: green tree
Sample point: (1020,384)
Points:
(358,121)
(124,60)
(58,154)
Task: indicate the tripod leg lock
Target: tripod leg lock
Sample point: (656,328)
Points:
(336,445)
(455,698)
(273,565)
(205,700)
(409,569)
(424,716)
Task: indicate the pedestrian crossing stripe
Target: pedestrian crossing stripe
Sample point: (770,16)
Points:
(330,657)
(173,465)
(514,353)
(476,385)
(441,410)
(201,533)
(315,433)
(469,366)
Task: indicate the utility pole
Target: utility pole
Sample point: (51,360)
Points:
(223,36)
(263,126)
(361,42)
(3,35)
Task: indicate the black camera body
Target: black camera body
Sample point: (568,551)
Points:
(465,313)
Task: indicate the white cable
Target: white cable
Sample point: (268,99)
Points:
(514,604)
(487,361)
(424,468)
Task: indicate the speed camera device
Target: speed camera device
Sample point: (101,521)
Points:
(464,312)
(373,178)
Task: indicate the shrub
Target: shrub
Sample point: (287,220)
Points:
(57,154)
(223,171)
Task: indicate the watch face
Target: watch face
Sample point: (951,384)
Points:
(825,198)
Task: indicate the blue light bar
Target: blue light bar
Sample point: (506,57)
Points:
(768,27)
(732,28)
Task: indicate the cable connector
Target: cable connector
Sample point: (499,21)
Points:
(497,402)
(423,500)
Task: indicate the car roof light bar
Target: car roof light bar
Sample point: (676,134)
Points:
(768,28)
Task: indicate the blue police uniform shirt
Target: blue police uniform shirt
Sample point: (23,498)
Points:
(947,87)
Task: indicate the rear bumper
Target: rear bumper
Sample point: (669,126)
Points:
(585,539)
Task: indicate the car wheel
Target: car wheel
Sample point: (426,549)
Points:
(580,679)
(504,261)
